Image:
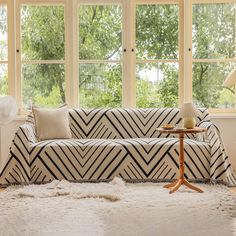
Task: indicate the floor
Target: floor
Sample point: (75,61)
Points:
(57,208)
(232,189)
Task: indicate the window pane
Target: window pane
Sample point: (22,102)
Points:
(214,30)
(43,84)
(157,31)
(100,85)
(43,32)
(157,85)
(100,34)
(3,80)
(3,32)
(208,90)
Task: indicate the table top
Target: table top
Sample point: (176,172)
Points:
(181,131)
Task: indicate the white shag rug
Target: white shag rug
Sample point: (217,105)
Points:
(116,208)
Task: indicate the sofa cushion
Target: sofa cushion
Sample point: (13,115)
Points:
(158,158)
(75,159)
(124,123)
(51,123)
(139,158)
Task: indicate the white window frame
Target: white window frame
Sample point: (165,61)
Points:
(124,62)
(179,60)
(19,60)
(185,59)
(191,60)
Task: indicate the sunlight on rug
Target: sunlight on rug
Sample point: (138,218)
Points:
(116,208)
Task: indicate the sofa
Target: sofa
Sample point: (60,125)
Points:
(118,142)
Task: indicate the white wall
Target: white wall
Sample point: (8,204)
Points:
(227,126)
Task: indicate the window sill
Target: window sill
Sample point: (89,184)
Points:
(223,116)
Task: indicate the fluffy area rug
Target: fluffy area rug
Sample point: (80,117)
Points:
(116,208)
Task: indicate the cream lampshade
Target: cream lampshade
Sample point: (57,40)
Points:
(188,112)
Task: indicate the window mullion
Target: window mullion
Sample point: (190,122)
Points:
(11,49)
(129,87)
(187,50)
(140,61)
(81,61)
(43,61)
(71,56)
(214,60)
(17,53)
(181,52)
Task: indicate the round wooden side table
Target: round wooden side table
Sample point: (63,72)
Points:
(181,181)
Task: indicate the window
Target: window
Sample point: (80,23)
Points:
(100,55)
(118,53)
(3,51)
(213,39)
(157,52)
(42,55)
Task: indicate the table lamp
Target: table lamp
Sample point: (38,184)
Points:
(188,112)
(8,109)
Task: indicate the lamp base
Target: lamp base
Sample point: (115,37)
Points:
(189,122)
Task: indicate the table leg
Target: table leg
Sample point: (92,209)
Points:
(181,181)
(171,184)
(176,187)
(191,186)
(181,164)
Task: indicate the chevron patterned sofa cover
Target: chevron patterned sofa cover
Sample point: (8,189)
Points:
(118,142)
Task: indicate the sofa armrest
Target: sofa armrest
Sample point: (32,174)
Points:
(220,167)
(29,132)
(19,156)
(205,124)
(205,137)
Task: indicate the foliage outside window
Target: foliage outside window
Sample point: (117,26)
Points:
(3,51)
(43,50)
(157,38)
(100,40)
(213,38)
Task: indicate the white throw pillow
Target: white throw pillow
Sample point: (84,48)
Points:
(52,123)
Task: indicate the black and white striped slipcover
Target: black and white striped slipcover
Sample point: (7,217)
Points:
(118,142)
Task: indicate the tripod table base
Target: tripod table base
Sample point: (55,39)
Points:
(176,184)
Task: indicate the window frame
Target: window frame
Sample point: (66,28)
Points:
(128,39)
(192,60)
(18,56)
(122,61)
(180,59)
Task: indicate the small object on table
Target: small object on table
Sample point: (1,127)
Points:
(168,126)
(181,181)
